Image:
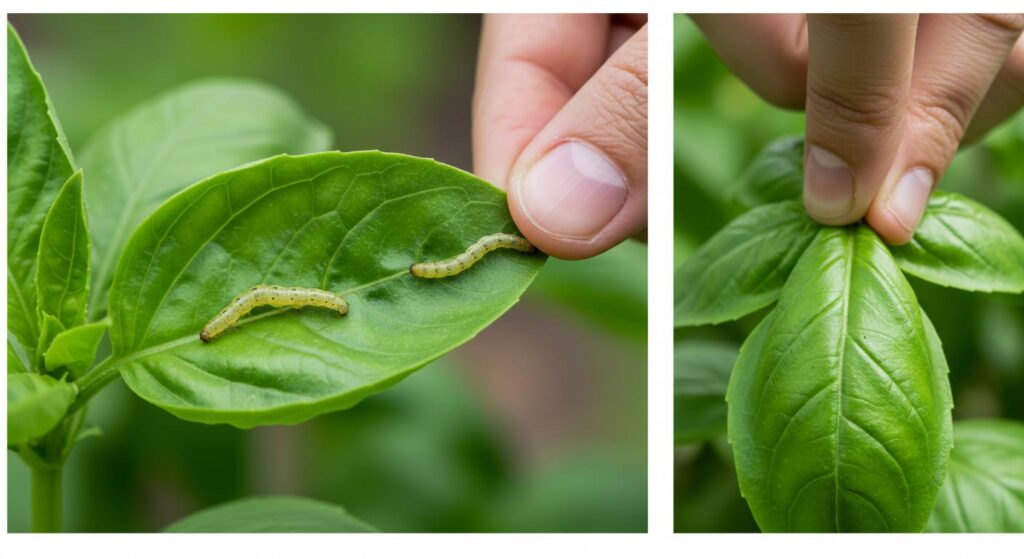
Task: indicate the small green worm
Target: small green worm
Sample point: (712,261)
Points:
(473,254)
(272,296)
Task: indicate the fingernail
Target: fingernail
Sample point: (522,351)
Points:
(829,189)
(910,196)
(573,191)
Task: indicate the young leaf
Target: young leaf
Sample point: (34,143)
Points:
(702,369)
(76,348)
(984,489)
(35,405)
(349,223)
(744,266)
(775,175)
(839,405)
(49,328)
(38,163)
(143,157)
(275,514)
(62,271)
(961,243)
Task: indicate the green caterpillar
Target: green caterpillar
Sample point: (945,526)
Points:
(472,255)
(272,296)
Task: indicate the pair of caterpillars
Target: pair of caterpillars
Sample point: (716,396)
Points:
(298,297)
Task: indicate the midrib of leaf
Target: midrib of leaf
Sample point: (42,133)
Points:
(71,260)
(256,200)
(850,238)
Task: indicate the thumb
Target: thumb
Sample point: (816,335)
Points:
(580,186)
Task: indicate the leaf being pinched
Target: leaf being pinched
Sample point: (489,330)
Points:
(839,405)
(350,223)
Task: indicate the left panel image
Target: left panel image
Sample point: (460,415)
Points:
(326,273)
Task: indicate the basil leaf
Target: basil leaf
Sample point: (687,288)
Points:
(984,489)
(744,266)
(839,405)
(961,243)
(62,272)
(158,148)
(776,174)
(276,514)
(349,223)
(49,328)
(35,405)
(16,362)
(702,369)
(38,163)
(75,348)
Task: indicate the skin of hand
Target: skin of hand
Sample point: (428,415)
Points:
(889,99)
(560,122)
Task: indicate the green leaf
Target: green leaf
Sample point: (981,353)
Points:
(16,361)
(277,514)
(744,266)
(75,348)
(38,163)
(35,405)
(984,489)
(62,271)
(775,175)
(961,243)
(349,223)
(158,148)
(702,369)
(839,405)
(49,329)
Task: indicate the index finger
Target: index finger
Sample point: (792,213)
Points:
(528,68)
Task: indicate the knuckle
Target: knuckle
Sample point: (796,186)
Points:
(876,106)
(946,113)
(1007,23)
(623,106)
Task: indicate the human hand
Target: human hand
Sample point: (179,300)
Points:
(560,121)
(889,99)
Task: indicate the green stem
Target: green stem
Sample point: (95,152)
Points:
(92,382)
(46,498)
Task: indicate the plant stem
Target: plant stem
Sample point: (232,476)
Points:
(92,382)
(46,498)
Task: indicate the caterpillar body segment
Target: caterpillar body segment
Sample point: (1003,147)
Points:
(476,251)
(271,296)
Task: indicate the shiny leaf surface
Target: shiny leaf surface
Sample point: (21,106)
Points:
(744,266)
(349,223)
(963,244)
(839,405)
(62,272)
(38,164)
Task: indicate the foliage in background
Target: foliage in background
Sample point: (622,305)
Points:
(720,128)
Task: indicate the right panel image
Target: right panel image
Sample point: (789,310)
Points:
(849,288)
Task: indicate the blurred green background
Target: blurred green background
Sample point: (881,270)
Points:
(539,424)
(719,126)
